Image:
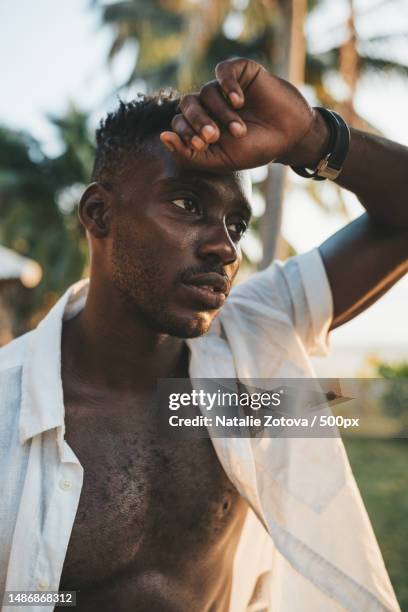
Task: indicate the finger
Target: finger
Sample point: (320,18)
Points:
(228,75)
(174,144)
(198,118)
(235,76)
(215,103)
(186,133)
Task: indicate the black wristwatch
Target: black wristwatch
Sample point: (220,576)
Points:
(332,162)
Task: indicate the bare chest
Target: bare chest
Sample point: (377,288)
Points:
(146,501)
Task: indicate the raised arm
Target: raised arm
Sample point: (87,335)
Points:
(365,258)
(256,118)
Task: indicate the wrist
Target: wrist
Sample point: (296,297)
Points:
(312,146)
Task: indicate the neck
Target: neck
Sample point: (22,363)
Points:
(108,345)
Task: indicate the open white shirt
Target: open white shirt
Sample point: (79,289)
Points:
(307,543)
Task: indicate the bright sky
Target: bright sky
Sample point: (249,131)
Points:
(53,52)
(50,54)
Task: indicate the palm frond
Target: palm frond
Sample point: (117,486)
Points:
(164,76)
(140,10)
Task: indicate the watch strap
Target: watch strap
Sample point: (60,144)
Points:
(338,145)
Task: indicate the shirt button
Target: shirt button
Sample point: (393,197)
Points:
(42,585)
(65,484)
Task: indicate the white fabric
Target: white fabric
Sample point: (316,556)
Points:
(307,543)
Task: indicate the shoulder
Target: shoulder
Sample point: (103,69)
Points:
(12,354)
(266,290)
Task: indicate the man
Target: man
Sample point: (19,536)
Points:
(96,501)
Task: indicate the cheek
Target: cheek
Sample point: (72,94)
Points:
(149,254)
(173,244)
(156,243)
(176,236)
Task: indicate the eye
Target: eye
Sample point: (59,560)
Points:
(238,227)
(187,204)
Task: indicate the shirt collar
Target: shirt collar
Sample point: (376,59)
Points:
(42,402)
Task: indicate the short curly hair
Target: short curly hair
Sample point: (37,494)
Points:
(130,129)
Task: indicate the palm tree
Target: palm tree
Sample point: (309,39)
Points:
(180,41)
(288,61)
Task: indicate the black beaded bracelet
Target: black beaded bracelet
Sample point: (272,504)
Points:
(332,162)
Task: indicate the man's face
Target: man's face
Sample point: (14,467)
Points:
(175,242)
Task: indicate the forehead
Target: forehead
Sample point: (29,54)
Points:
(160,168)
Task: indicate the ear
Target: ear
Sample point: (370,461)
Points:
(95,210)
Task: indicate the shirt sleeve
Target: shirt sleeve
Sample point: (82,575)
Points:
(311,301)
(298,288)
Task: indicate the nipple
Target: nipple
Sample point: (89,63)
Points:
(226,506)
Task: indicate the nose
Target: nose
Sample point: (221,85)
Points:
(216,243)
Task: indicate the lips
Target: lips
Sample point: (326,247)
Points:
(212,280)
(209,289)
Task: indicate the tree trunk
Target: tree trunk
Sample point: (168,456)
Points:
(203,22)
(288,62)
(349,67)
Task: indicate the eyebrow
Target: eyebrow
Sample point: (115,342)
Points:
(200,183)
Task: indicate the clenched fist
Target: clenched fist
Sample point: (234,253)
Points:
(246,118)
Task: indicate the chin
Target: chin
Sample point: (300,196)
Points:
(192,326)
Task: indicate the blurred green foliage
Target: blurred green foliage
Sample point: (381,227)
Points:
(38,198)
(179,45)
(395,400)
(380,469)
(178,42)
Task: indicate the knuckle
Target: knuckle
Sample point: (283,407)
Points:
(224,64)
(208,88)
(180,126)
(175,121)
(187,100)
(225,69)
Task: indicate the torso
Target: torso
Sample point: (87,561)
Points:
(158,520)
